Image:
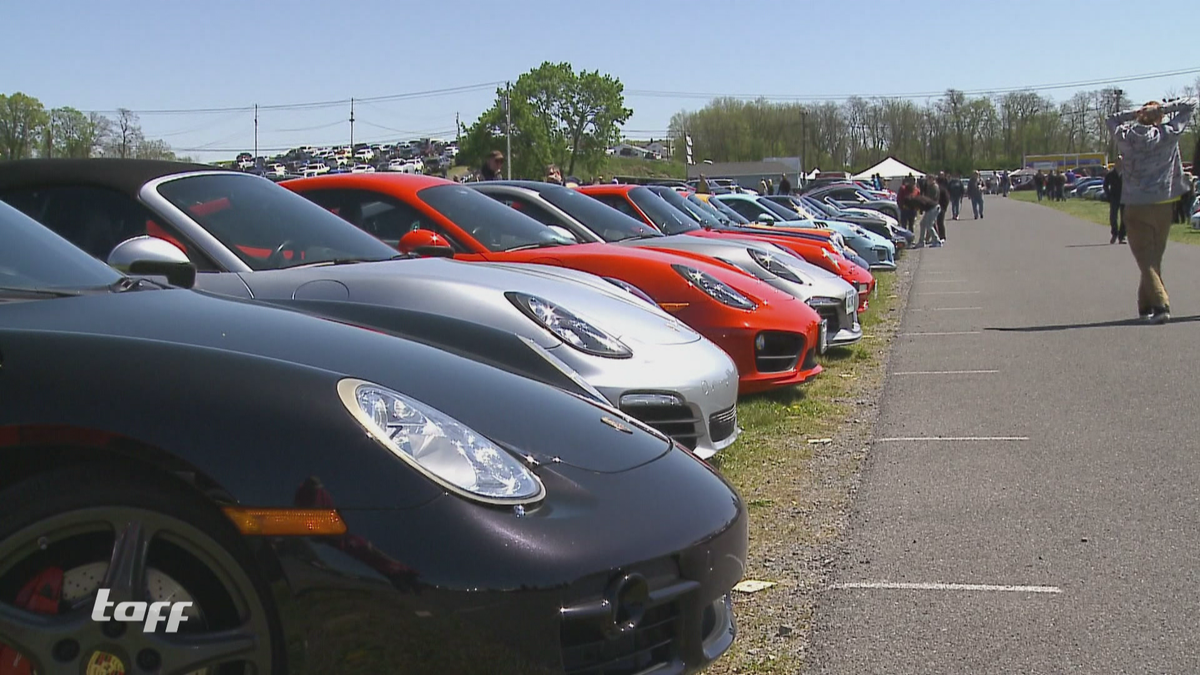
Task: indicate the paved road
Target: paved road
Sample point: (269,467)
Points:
(1100,502)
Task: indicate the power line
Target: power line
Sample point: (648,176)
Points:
(923,94)
(311,105)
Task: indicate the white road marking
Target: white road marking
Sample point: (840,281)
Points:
(949,292)
(946,372)
(944,309)
(945,281)
(956,439)
(887,585)
(938,272)
(955,332)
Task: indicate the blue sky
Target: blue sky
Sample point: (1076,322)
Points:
(186,54)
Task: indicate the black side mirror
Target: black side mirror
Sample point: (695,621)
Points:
(182,275)
(434,251)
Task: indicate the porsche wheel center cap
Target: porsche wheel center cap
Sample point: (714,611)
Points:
(104,663)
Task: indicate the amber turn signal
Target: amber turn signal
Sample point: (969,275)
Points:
(673,306)
(286,522)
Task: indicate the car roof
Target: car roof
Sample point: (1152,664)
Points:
(124,175)
(383,182)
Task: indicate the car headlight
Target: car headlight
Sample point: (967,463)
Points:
(773,265)
(439,446)
(631,289)
(569,328)
(714,287)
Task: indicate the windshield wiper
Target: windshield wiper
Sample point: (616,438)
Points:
(636,237)
(134,284)
(543,244)
(42,292)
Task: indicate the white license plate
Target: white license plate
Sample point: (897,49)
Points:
(823,337)
(851,303)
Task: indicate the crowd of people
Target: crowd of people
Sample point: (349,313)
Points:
(932,197)
(1052,185)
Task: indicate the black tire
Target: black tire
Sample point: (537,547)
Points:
(56,519)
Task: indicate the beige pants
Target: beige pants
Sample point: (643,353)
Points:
(1148,226)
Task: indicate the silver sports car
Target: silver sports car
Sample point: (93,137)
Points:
(251,238)
(591,221)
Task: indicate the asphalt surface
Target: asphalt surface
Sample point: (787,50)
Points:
(1101,502)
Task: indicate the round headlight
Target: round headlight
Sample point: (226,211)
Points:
(439,446)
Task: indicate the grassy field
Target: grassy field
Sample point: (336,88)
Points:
(795,464)
(1097,212)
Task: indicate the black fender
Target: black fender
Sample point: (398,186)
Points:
(250,427)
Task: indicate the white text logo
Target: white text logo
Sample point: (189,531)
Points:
(150,612)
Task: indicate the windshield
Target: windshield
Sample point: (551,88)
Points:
(34,258)
(267,226)
(608,223)
(729,213)
(822,207)
(709,209)
(688,208)
(495,226)
(779,209)
(664,216)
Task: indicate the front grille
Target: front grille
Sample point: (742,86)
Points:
(721,425)
(832,315)
(779,353)
(810,360)
(884,254)
(676,421)
(588,650)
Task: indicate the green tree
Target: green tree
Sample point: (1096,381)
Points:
(558,117)
(22,119)
(70,133)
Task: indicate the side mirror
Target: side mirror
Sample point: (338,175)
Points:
(151,256)
(767,218)
(563,232)
(425,243)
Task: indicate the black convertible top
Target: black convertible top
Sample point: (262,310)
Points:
(125,175)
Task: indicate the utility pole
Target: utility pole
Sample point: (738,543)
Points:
(1118,94)
(256,132)
(457,130)
(508,129)
(352,125)
(803,145)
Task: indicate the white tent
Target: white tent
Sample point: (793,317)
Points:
(888,169)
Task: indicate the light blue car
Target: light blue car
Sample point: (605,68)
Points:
(878,252)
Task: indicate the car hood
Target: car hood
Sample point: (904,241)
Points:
(475,291)
(529,417)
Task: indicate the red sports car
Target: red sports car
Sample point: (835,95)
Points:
(772,337)
(639,202)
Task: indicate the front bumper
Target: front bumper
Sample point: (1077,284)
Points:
(687,391)
(453,587)
(844,328)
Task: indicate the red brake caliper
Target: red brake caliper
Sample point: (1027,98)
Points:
(40,595)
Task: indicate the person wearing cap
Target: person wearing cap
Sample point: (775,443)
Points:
(492,166)
(1151,182)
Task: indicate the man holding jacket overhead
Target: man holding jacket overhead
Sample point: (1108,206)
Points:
(1112,192)
(1152,181)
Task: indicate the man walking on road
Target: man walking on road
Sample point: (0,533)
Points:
(975,194)
(1039,182)
(943,187)
(956,195)
(1116,210)
(1152,181)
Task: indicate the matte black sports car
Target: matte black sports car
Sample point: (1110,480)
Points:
(329,499)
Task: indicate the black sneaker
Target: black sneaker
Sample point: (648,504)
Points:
(1113,240)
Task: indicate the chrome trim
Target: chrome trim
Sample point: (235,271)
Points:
(210,245)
